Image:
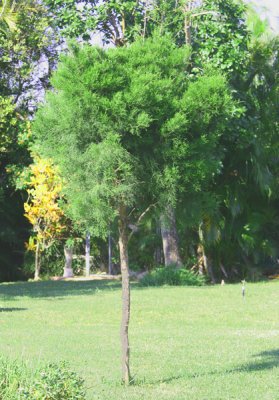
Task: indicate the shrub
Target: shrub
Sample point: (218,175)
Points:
(57,382)
(53,382)
(174,276)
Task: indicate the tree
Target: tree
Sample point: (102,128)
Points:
(23,48)
(119,22)
(246,188)
(42,208)
(7,16)
(215,30)
(129,127)
(246,219)
(31,43)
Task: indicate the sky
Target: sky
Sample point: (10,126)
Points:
(269,9)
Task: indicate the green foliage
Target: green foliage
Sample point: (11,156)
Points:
(138,128)
(7,122)
(58,382)
(119,22)
(54,381)
(13,228)
(22,46)
(25,46)
(7,16)
(221,37)
(171,275)
(53,261)
(248,184)
(13,374)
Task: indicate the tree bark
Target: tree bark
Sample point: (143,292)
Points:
(87,254)
(124,262)
(38,261)
(200,259)
(204,262)
(209,269)
(158,250)
(109,255)
(68,270)
(170,238)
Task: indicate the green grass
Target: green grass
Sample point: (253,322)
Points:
(195,343)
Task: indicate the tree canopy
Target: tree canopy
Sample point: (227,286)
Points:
(150,125)
(129,126)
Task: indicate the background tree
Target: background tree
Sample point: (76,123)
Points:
(22,48)
(249,180)
(8,15)
(42,208)
(233,222)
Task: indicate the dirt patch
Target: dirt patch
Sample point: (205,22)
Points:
(87,278)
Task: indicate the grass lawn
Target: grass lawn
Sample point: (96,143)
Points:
(195,343)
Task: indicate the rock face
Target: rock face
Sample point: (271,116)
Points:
(68,270)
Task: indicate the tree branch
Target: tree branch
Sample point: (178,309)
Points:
(204,13)
(140,218)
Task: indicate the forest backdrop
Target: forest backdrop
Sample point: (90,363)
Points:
(208,160)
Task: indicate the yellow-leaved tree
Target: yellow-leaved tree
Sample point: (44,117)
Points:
(42,208)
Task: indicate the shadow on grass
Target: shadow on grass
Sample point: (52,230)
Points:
(146,381)
(47,289)
(60,289)
(265,360)
(11,309)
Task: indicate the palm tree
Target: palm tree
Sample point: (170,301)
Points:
(249,182)
(7,16)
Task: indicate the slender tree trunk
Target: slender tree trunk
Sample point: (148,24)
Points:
(87,254)
(158,250)
(68,270)
(187,22)
(170,238)
(204,262)
(209,269)
(123,248)
(222,268)
(38,261)
(200,259)
(109,255)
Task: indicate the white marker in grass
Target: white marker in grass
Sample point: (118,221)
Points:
(243,288)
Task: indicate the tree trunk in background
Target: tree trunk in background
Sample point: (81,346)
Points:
(208,268)
(109,254)
(204,262)
(200,259)
(123,248)
(38,261)
(158,250)
(87,254)
(68,270)
(170,238)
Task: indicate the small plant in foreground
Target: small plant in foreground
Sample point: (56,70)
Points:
(57,382)
(174,276)
(14,376)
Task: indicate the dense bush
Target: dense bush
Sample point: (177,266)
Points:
(172,275)
(53,382)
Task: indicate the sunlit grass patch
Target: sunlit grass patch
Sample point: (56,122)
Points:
(186,342)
